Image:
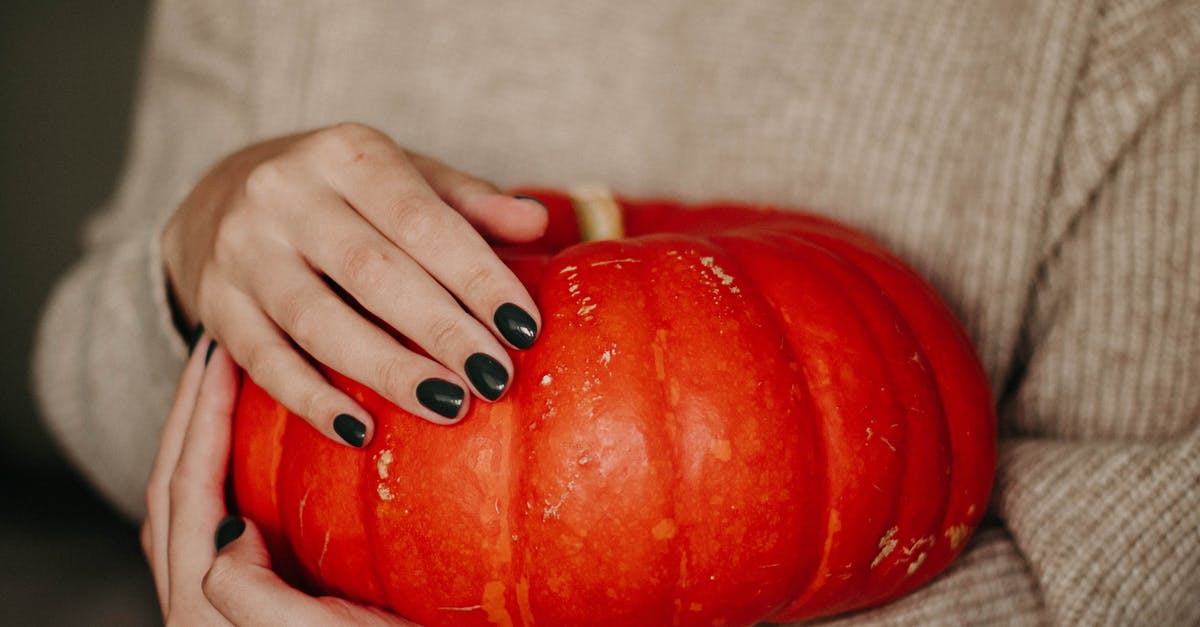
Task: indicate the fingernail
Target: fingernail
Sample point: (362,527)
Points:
(515,325)
(487,375)
(351,429)
(441,396)
(212,346)
(195,337)
(523,197)
(229,529)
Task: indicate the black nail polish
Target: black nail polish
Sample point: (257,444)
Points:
(212,346)
(441,396)
(487,375)
(524,197)
(515,325)
(229,529)
(195,337)
(351,429)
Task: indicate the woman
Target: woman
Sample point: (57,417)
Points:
(1036,162)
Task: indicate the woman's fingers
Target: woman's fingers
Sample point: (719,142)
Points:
(379,181)
(243,588)
(504,217)
(393,287)
(394,232)
(198,483)
(158,496)
(273,363)
(325,325)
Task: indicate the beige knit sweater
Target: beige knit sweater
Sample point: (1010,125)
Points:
(1038,161)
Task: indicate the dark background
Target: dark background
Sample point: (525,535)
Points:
(68,70)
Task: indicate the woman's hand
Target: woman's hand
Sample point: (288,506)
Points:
(233,583)
(253,249)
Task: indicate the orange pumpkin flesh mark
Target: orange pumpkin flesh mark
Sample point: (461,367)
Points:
(723,422)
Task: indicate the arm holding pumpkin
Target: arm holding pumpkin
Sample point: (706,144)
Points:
(248,249)
(246,252)
(1098,479)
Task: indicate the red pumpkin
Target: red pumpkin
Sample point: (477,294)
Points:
(733,415)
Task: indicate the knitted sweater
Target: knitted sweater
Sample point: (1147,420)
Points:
(1037,161)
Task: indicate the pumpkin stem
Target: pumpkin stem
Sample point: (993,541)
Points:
(597,212)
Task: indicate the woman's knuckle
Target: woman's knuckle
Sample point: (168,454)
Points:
(303,319)
(230,242)
(411,221)
(478,280)
(393,374)
(261,362)
(365,266)
(266,180)
(317,405)
(221,576)
(444,334)
(346,140)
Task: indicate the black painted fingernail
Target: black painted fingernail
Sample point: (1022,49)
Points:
(487,375)
(195,337)
(441,396)
(515,325)
(229,529)
(351,429)
(524,197)
(212,346)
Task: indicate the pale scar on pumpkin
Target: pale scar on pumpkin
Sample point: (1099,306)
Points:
(917,545)
(551,510)
(300,509)
(887,544)
(324,550)
(912,568)
(720,273)
(617,262)
(956,535)
(381,464)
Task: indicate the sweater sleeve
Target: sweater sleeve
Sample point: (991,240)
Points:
(107,354)
(1098,480)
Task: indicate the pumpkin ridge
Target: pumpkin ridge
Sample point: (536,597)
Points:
(757,326)
(776,318)
(774,312)
(840,334)
(964,407)
(675,553)
(924,446)
(517,517)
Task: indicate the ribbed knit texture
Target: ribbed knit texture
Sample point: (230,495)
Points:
(1037,161)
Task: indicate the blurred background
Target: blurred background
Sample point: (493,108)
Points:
(68,71)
